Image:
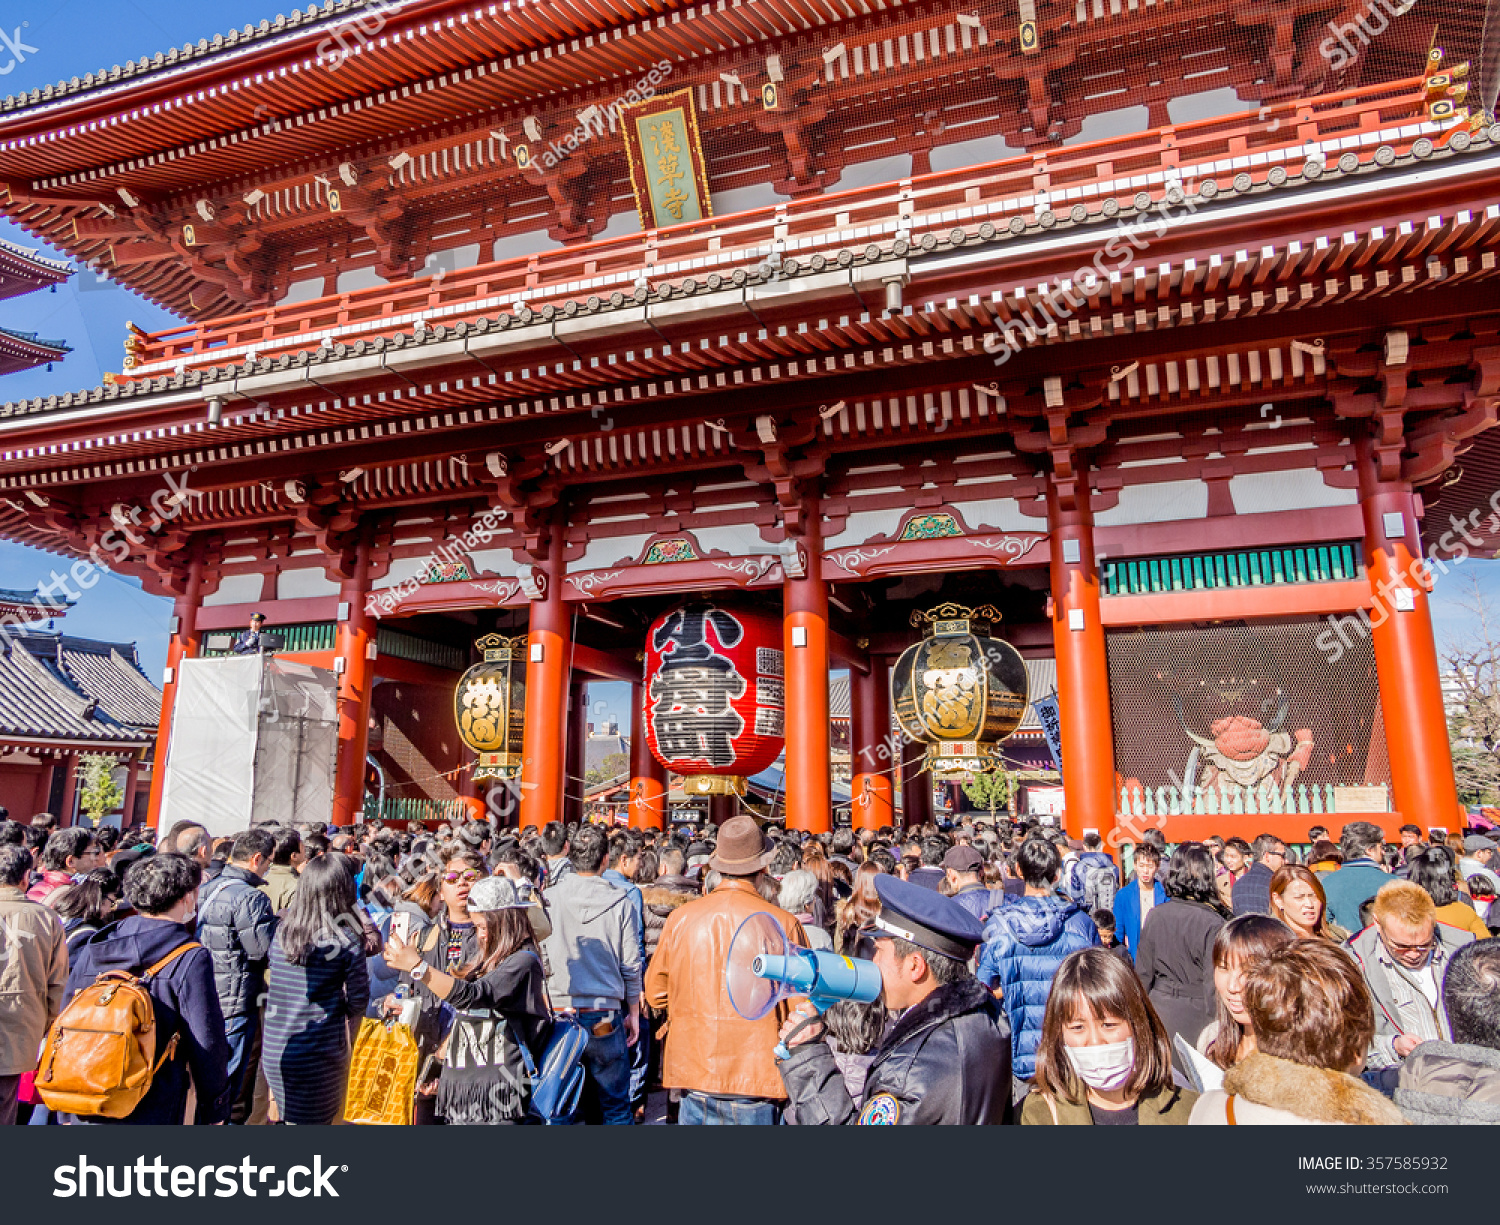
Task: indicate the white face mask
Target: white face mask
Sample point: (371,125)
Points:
(1103,1067)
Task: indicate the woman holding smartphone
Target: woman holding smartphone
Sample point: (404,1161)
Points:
(499,1003)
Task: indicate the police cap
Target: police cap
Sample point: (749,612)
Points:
(925,918)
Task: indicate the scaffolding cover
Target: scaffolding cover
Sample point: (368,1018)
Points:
(254,741)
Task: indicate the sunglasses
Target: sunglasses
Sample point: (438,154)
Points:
(467,878)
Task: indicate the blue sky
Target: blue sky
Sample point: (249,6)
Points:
(78,36)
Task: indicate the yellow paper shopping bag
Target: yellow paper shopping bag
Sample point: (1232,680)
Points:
(382,1074)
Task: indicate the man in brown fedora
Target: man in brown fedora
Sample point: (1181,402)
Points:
(723,1063)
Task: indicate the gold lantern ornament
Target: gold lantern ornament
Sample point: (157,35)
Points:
(489,705)
(960,691)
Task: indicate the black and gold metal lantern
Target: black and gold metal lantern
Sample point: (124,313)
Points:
(959,691)
(489,705)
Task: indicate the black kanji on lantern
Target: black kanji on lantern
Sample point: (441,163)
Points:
(694,688)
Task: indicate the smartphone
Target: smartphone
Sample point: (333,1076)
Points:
(401,925)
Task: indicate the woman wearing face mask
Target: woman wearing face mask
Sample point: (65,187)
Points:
(1228,1039)
(1104,1058)
(1298,900)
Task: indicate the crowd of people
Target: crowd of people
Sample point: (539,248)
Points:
(1026,977)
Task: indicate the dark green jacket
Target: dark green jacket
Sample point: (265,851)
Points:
(1170,1107)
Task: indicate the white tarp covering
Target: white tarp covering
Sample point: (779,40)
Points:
(254,740)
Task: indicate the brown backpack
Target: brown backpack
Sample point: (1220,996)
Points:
(100,1055)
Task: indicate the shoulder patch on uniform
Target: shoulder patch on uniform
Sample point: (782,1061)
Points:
(880,1110)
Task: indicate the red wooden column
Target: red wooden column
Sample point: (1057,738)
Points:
(648,777)
(578,750)
(64,812)
(916,785)
(182,645)
(548,640)
(132,777)
(1088,749)
(809,797)
(356,685)
(872,758)
(1411,692)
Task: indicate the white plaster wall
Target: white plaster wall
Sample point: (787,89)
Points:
(304,584)
(235,589)
(1161,503)
(1299,489)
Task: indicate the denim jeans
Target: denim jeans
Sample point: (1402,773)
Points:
(701,1110)
(607,1061)
(241,1032)
(640,1063)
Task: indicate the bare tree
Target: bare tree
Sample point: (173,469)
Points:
(1470,662)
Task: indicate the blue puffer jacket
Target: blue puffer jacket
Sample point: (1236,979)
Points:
(1024,943)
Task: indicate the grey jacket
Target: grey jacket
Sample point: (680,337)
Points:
(235,924)
(1399,1006)
(1446,1083)
(594,951)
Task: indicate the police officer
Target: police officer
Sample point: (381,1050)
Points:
(248,643)
(946,1060)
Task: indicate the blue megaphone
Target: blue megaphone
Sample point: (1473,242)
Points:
(764,968)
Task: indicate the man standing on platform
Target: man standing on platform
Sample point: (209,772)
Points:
(248,643)
(722,1061)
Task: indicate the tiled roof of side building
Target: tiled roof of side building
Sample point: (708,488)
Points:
(31,338)
(61,268)
(57,687)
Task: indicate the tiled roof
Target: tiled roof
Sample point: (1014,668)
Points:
(220,46)
(58,687)
(1042,674)
(13,597)
(599,747)
(27,255)
(31,338)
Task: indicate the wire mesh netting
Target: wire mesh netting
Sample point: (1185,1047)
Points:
(1249,712)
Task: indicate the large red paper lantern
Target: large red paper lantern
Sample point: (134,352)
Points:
(715,695)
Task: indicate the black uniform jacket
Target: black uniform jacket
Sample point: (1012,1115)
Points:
(947,1060)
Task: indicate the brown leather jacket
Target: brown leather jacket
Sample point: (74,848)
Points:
(710,1047)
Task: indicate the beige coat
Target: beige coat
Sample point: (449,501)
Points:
(281,884)
(33,973)
(1273,1091)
